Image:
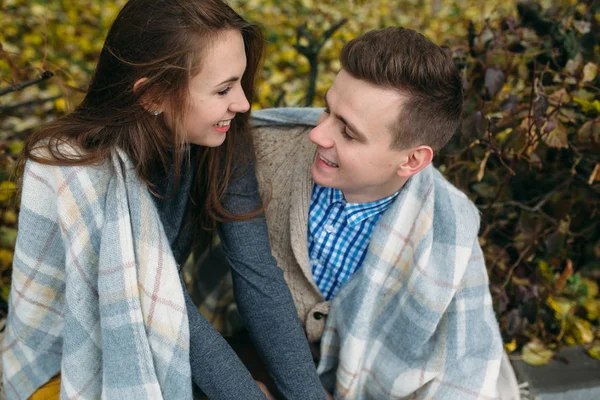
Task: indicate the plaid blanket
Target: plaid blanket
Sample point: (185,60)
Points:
(417,318)
(95,292)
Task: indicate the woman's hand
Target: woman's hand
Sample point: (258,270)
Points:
(265,390)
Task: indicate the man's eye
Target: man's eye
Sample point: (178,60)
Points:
(346,135)
(224,92)
(326,110)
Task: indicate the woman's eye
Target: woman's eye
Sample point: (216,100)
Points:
(326,110)
(224,92)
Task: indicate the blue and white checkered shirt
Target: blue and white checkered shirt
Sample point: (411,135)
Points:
(338,236)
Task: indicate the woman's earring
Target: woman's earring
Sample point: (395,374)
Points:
(155,113)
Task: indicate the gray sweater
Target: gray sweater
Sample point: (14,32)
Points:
(262,295)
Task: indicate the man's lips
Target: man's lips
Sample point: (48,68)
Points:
(327,162)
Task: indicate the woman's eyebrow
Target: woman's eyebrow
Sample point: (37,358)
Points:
(229,80)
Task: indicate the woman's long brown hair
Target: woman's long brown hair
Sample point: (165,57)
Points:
(162,42)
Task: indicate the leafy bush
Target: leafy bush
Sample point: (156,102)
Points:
(527,154)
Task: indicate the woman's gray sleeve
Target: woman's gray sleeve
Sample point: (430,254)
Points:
(216,369)
(263,297)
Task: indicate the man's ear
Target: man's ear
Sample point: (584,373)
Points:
(148,105)
(415,160)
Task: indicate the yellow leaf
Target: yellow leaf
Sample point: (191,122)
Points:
(588,106)
(592,307)
(589,72)
(6,257)
(510,347)
(482,166)
(561,306)
(594,351)
(591,286)
(580,332)
(10,217)
(536,353)
(15,146)
(546,271)
(7,190)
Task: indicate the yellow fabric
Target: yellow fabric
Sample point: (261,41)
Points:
(50,391)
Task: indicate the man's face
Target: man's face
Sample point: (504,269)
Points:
(353,138)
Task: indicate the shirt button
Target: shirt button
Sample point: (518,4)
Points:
(318,315)
(329,228)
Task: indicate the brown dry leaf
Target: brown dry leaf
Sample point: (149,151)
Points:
(561,96)
(557,138)
(566,274)
(595,175)
(589,131)
(574,65)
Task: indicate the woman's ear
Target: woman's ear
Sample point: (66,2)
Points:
(151,107)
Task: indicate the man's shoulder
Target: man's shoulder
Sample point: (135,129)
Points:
(281,148)
(451,202)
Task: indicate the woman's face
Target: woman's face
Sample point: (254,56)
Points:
(216,93)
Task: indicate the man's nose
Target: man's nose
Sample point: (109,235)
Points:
(321,134)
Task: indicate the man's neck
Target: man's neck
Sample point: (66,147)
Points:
(377,193)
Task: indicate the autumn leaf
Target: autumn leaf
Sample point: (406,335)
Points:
(595,175)
(561,96)
(557,137)
(536,353)
(580,331)
(561,306)
(7,191)
(6,257)
(494,80)
(589,72)
(588,106)
(589,131)
(574,65)
(482,164)
(594,351)
(512,346)
(562,279)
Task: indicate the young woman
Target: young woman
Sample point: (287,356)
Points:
(112,198)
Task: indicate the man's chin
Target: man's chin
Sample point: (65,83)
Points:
(319,179)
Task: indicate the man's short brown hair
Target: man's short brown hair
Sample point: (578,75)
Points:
(404,60)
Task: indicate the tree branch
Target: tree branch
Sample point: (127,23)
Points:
(20,86)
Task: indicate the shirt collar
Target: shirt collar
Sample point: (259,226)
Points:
(355,212)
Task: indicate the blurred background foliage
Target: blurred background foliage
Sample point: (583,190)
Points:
(528,152)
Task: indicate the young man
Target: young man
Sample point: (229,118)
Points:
(380,252)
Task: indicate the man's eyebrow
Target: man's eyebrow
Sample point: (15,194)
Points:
(357,133)
(229,80)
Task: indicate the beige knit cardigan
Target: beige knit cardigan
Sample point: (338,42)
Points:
(283,159)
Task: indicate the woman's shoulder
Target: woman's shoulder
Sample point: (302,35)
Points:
(55,168)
